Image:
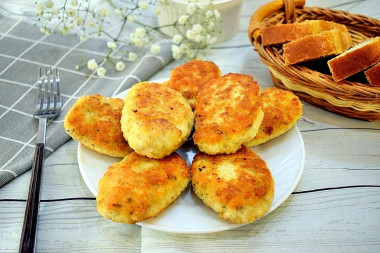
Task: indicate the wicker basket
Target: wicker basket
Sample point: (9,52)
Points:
(352,99)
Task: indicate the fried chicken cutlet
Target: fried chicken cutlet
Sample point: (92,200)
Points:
(189,78)
(94,121)
(156,120)
(239,187)
(282,109)
(228,114)
(138,187)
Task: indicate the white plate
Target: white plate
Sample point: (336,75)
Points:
(285,157)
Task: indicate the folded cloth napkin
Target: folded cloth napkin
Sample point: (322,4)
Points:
(23,49)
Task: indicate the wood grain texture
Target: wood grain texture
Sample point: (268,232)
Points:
(335,207)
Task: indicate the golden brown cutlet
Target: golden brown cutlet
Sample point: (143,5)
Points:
(94,121)
(228,114)
(156,120)
(239,187)
(282,109)
(189,78)
(138,188)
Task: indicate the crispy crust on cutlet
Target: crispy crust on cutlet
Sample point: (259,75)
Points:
(156,120)
(138,188)
(94,121)
(228,114)
(238,186)
(189,78)
(282,109)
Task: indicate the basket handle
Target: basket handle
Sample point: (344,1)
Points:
(269,8)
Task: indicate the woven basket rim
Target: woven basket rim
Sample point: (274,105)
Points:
(357,100)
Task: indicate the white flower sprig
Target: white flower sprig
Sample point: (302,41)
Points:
(196,29)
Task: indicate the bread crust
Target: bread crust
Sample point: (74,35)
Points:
(94,121)
(138,188)
(282,109)
(317,46)
(280,34)
(189,78)
(238,186)
(356,59)
(373,75)
(228,113)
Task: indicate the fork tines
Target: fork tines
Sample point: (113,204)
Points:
(48,99)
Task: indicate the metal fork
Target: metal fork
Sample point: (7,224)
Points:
(48,106)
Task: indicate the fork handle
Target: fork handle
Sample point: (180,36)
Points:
(29,229)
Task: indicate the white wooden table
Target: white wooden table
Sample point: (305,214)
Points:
(335,208)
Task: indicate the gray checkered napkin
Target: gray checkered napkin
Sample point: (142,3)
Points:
(23,49)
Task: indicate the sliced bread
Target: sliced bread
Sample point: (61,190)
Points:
(373,75)
(356,59)
(279,34)
(313,47)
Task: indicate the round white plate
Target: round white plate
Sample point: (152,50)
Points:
(285,157)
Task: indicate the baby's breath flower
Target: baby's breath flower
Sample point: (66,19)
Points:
(44,30)
(155,48)
(49,4)
(132,57)
(117,12)
(157,11)
(176,52)
(140,32)
(104,12)
(183,19)
(209,14)
(71,12)
(65,30)
(177,38)
(74,2)
(40,7)
(92,64)
(198,38)
(79,21)
(119,66)
(143,6)
(130,18)
(101,72)
(83,38)
(217,14)
(191,8)
(111,45)
(211,25)
(190,34)
(197,28)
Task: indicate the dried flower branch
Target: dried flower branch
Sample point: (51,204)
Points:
(197,28)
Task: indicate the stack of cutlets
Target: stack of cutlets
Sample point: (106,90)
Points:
(229,114)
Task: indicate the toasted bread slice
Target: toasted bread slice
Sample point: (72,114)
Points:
(356,59)
(280,34)
(317,46)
